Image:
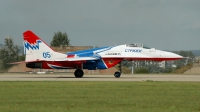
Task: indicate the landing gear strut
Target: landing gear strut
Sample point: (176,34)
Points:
(118,74)
(79,73)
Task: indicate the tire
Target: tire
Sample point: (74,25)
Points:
(79,73)
(117,74)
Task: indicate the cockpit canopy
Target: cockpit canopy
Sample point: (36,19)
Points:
(138,45)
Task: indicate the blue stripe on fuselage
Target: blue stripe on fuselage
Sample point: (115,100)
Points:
(101,64)
(86,53)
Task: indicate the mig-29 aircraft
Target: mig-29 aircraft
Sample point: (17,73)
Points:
(40,55)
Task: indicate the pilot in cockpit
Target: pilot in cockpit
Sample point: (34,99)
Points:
(131,45)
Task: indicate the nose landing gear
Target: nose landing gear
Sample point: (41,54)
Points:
(118,74)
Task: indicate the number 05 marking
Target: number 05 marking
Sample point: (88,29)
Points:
(46,55)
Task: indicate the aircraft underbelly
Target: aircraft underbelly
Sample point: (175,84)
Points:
(61,65)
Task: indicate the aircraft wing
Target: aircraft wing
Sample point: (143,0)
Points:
(82,58)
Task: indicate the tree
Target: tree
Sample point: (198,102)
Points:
(60,39)
(8,53)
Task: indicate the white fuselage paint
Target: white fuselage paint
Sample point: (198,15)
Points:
(122,51)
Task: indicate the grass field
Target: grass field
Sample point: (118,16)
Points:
(100,96)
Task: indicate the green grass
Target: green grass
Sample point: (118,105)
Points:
(100,96)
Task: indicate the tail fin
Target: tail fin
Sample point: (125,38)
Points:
(33,42)
(35,48)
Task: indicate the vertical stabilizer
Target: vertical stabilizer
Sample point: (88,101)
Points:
(36,49)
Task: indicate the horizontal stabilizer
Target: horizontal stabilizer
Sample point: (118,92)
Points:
(19,62)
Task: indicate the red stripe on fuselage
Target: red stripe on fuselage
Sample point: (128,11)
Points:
(138,58)
(70,56)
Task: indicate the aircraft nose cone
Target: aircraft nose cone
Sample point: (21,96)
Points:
(174,56)
(166,55)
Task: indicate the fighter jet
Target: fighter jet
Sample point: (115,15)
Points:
(40,55)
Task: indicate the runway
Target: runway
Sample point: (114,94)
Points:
(70,77)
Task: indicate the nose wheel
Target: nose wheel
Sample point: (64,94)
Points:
(118,74)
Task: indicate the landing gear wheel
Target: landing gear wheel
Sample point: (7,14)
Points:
(117,74)
(79,73)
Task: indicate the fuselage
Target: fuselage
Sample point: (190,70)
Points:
(107,57)
(40,55)
(130,52)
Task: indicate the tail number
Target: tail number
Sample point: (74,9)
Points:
(46,55)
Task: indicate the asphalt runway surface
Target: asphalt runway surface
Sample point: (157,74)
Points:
(124,77)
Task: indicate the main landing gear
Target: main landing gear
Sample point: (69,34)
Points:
(118,74)
(79,73)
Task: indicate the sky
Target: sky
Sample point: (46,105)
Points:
(160,24)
